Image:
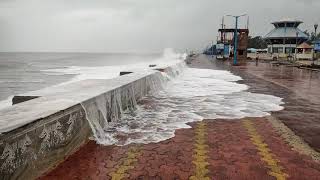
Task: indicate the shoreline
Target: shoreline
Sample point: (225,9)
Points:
(46,125)
(281,131)
(224,145)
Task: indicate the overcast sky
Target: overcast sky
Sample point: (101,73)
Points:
(136,25)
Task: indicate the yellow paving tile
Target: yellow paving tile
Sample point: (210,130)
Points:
(126,165)
(200,153)
(267,156)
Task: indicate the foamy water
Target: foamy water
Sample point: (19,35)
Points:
(23,77)
(194,95)
(6,103)
(108,72)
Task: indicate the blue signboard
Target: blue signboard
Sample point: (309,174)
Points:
(226,50)
(317,46)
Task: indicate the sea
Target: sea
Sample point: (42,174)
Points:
(24,72)
(194,95)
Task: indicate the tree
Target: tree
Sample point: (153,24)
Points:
(312,36)
(307,32)
(257,42)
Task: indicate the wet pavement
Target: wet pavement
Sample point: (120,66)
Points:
(249,148)
(301,92)
(299,88)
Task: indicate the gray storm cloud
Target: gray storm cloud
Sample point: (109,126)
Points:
(135,25)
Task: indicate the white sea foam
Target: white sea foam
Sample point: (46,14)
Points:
(194,95)
(6,103)
(168,58)
(190,95)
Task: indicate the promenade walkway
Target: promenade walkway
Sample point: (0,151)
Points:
(285,145)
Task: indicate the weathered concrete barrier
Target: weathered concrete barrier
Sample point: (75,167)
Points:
(20,99)
(39,133)
(122,73)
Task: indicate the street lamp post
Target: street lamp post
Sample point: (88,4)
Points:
(315,39)
(315,31)
(212,50)
(295,55)
(235,39)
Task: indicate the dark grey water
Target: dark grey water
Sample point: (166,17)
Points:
(23,72)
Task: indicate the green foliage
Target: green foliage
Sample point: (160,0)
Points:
(312,36)
(257,42)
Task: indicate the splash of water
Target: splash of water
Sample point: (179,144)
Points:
(106,112)
(6,103)
(169,58)
(178,96)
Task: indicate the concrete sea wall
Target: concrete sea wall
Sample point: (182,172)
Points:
(39,133)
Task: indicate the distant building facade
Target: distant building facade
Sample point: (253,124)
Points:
(285,37)
(304,52)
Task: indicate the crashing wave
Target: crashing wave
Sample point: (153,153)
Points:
(176,97)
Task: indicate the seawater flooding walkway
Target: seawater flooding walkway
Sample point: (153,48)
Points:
(284,145)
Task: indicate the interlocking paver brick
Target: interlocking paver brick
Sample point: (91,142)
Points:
(231,153)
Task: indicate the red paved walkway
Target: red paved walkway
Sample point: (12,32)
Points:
(213,149)
(300,90)
(219,149)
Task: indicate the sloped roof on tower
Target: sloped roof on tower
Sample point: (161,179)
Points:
(287,20)
(286,32)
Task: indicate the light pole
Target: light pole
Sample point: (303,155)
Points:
(315,39)
(315,31)
(295,55)
(212,50)
(236,39)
